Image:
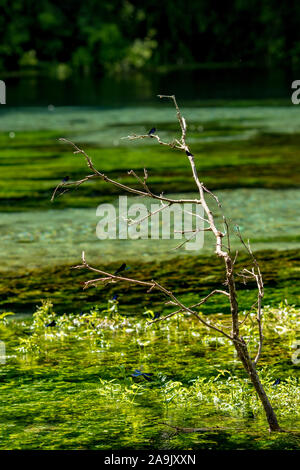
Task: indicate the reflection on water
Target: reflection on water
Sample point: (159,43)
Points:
(270,218)
(204,84)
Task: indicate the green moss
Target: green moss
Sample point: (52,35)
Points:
(33,163)
(189,277)
(71,386)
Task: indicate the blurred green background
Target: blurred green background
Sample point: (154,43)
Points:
(119,35)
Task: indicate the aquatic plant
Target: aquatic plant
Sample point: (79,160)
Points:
(226,393)
(84,377)
(48,326)
(222,250)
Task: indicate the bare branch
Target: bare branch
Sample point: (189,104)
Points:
(212,194)
(221,250)
(139,221)
(173,145)
(108,277)
(143,182)
(129,189)
(257,276)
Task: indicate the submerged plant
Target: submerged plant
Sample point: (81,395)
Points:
(226,393)
(48,326)
(4,315)
(43,316)
(222,249)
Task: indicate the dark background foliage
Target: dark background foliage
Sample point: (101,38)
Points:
(119,35)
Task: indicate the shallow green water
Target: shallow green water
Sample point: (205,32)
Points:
(268,217)
(236,148)
(76,390)
(107,126)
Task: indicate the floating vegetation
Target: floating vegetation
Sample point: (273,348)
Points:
(101,379)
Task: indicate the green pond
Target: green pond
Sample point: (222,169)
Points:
(76,385)
(267,217)
(71,386)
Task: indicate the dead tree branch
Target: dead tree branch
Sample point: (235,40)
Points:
(220,249)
